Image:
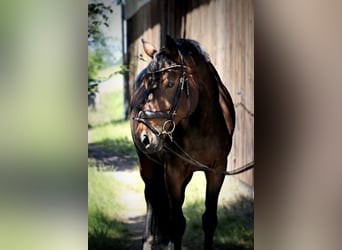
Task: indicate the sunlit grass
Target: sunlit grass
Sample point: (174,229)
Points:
(235,229)
(107,124)
(109,108)
(112,130)
(104,230)
(102,191)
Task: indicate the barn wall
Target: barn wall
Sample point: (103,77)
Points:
(225,28)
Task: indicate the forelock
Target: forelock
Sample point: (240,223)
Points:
(159,60)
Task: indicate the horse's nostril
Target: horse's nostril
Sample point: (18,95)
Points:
(145,141)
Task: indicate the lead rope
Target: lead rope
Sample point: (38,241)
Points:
(203,167)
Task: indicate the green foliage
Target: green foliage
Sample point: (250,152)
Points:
(98,15)
(95,63)
(129,68)
(98,52)
(123,69)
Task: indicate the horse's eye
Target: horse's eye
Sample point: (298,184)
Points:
(170,84)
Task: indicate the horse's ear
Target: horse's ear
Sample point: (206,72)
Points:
(171,48)
(149,49)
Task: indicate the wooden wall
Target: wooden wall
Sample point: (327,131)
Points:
(225,28)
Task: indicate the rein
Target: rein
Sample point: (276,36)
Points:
(186,157)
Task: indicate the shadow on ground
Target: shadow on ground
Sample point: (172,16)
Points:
(106,123)
(118,154)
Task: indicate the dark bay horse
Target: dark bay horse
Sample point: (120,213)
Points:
(182,120)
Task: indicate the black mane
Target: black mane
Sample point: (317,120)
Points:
(187,47)
(159,60)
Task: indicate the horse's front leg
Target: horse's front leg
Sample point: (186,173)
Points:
(209,218)
(176,182)
(157,203)
(157,216)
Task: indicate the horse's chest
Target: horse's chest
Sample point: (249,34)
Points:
(206,148)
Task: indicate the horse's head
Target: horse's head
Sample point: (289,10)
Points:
(167,96)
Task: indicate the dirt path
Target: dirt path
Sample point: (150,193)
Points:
(134,203)
(133,198)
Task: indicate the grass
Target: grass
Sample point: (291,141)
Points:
(104,230)
(109,108)
(235,229)
(108,128)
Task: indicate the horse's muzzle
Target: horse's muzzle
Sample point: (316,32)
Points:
(149,143)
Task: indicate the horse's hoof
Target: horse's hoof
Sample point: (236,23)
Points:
(148,243)
(171,246)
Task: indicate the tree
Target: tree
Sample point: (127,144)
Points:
(98,52)
(98,15)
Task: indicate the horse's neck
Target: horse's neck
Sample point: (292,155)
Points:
(208,88)
(208,106)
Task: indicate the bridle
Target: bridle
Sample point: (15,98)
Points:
(169,115)
(169,124)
